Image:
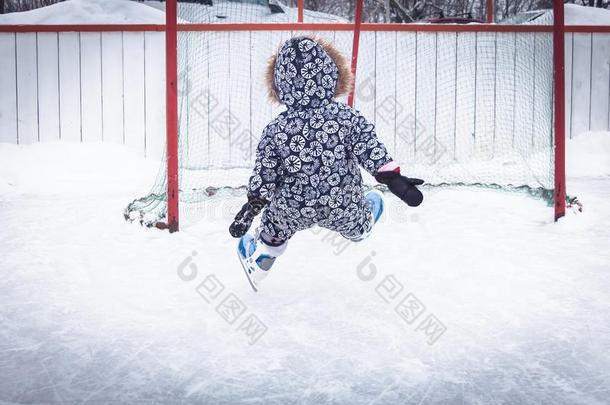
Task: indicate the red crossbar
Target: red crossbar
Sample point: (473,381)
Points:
(365,27)
(595,29)
(303,27)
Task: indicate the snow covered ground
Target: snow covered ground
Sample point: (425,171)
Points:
(506,307)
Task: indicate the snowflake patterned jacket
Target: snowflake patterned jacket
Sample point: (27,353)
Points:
(308,156)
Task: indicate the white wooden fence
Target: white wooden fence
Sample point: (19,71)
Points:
(83,86)
(587,82)
(110,86)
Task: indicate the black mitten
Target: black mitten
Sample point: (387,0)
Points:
(245,216)
(403,187)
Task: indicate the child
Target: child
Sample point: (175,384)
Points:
(306,171)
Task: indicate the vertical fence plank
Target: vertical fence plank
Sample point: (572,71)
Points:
(27,89)
(485,95)
(366,76)
(581,84)
(569,76)
(504,109)
(219,115)
(385,97)
(524,93)
(601,85)
(69,87)
(446,100)
(91,86)
(426,96)
(8,84)
(155,94)
(112,86)
(185,92)
(133,82)
(48,86)
(465,108)
(260,51)
(194,98)
(405,96)
(239,99)
(543,107)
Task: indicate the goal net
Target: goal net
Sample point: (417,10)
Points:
(454,108)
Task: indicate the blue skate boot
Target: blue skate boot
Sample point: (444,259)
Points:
(376,204)
(374,199)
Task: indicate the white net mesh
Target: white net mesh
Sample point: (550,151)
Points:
(453,108)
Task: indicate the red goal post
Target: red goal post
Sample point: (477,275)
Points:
(559,107)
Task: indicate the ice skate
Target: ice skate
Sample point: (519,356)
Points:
(256,258)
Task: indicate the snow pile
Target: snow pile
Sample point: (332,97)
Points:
(153,12)
(581,15)
(230,11)
(88,12)
(573,15)
(588,154)
(55,167)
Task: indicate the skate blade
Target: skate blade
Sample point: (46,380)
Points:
(245,266)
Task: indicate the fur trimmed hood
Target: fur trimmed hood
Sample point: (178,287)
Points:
(307,72)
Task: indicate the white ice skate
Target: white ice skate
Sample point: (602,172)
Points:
(257,258)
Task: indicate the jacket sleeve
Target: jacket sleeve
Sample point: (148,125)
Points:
(267,167)
(370,151)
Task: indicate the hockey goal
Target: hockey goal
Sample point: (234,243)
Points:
(455,104)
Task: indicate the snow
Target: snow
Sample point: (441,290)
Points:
(95,310)
(588,154)
(88,12)
(581,15)
(153,12)
(573,15)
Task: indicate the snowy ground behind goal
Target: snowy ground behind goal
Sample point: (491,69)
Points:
(475,297)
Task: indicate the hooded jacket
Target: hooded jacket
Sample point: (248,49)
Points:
(308,156)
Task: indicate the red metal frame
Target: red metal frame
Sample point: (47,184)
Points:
(364,27)
(171,64)
(560,137)
(300,12)
(355,46)
(595,29)
(489,11)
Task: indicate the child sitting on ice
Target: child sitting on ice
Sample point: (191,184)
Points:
(306,171)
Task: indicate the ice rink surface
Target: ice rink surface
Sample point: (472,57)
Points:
(476,297)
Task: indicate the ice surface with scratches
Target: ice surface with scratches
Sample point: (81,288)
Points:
(95,310)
